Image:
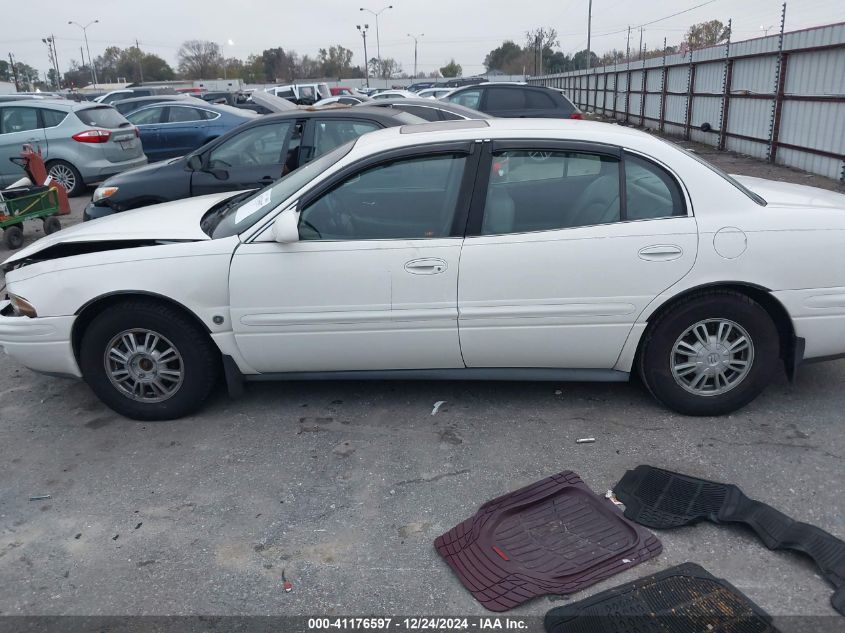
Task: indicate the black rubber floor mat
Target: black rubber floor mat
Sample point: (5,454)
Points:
(554,536)
(662,499)
(683,599)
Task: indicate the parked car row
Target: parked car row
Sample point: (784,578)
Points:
(175,125)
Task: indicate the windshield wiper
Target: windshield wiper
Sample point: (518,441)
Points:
(216,214)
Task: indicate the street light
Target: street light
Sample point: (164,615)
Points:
(90,61)
(415,38)
(230,42)
(364,30)
(377,13)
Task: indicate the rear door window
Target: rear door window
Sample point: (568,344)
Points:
(182,114)
(650,191)
(147,117)
(429,114)
(505,99)
(104,116)
(52,118)
(468,98)
(538,100)
(329,134)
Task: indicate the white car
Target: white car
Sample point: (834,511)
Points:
(483,249)
(393,94)
(434,93)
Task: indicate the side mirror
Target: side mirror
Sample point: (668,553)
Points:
(286,227)
(195,162)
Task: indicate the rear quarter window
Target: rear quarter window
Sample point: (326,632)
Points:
(106,117)
(52,118)
(505,99)
(538,100)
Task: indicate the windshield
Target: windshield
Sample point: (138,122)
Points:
(241,212)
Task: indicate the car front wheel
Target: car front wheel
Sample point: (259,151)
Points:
(148,361)
(710,354)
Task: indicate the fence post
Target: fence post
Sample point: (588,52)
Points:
(690,88)
(642,92)
(604,96)
(727,79)
(628,94)
(662,125)
(777,103)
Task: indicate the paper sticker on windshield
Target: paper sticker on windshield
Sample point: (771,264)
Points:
(247,209)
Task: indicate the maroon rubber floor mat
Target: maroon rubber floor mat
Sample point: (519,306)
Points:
(553,537)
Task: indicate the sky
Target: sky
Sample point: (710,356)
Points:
(465,30)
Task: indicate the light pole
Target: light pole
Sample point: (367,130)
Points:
(363,30)
(50,41)
(416,42)
(378,42)
(90,60)
(223,57)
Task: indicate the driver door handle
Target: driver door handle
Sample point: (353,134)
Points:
(267,180)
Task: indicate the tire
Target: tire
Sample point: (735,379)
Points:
(52,225)
(667,362)
(13,237)
(197,363)
(66,175)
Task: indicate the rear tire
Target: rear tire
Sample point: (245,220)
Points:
(711,354)
(145,378)
(67,176)
(13,237)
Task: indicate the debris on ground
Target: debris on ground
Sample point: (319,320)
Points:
(585,440)
(437,406)
(286,584)
(40,497)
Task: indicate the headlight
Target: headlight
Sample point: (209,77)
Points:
(22,307)
(101,193)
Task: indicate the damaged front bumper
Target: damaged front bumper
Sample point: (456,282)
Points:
(42,344)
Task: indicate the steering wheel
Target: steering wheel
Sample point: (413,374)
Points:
(252,158)
(307,224)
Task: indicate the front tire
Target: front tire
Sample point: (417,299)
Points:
(711,354)
(148,361)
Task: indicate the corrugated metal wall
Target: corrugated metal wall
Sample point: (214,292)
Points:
(785,104)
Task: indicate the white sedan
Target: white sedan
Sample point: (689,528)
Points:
(501,249)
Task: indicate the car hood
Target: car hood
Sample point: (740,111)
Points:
(786,194)
(144,171)
(171,221)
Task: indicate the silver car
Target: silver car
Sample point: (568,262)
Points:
(82,143)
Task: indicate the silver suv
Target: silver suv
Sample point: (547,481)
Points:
(82,143)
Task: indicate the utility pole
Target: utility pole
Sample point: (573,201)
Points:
(90,59)
(14,72)
(140,59)
(641,43)
(366,59)
(378,40)
(416,42)
(628,47)
(589,32)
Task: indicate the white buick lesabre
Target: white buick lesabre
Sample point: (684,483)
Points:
(504,249)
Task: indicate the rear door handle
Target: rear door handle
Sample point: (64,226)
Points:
(661,253)
(426,266)
(267,180)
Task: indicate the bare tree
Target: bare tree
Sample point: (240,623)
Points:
(199,59)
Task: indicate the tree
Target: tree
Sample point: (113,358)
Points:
(27,76)
(536,43)
(385,68)
(507,58)
(278,64)
(5,71)
(336,61)
(78,76)
(452,69)
(199,59)
(579,60)
(707,34)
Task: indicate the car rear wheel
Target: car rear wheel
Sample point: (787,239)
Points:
(710,354)
(13,237)
(148,361)
(67,176)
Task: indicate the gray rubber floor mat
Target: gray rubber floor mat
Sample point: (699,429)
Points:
(683,599)
(555,536)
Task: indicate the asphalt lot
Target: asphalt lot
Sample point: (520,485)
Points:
(345,486)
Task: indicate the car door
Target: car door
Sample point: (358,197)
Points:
(255,157)
(18,126)
(183,131)
(504,101)
(564,257)
(149,123)
(372,282)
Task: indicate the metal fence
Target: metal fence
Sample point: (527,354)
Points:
(780,98)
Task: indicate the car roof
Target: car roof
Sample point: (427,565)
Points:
(158,98)
(468,130)
(55,103)
(205,105)
(428,103)
(340,112)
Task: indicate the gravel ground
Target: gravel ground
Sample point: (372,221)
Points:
(344,486)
